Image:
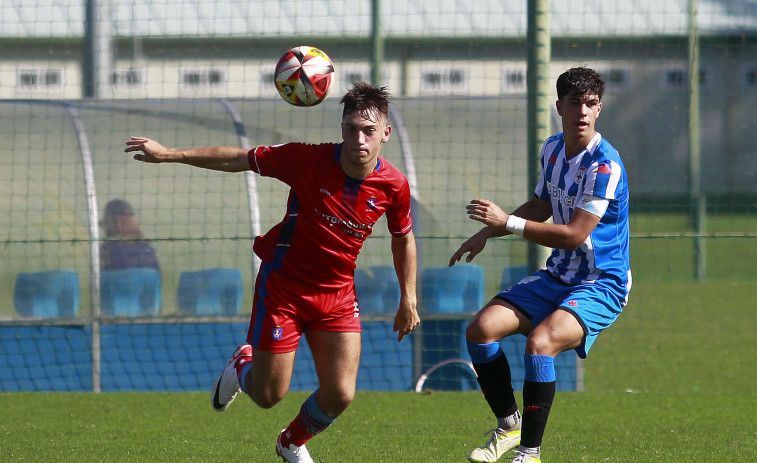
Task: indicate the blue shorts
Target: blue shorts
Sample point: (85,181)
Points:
(596,306)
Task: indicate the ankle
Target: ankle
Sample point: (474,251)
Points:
(536,451)
(510,422)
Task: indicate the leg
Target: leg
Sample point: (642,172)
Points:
(267,380)
(274,333)
(557,333)
(498,319)
(265,377)
(495,321)
(336,356)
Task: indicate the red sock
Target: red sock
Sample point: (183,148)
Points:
(296,433)
(309,422)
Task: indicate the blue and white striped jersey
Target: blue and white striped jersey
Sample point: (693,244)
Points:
(597,171)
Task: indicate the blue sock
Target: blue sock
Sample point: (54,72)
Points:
(243,375)
(314,416)
(483,353)
(539,368)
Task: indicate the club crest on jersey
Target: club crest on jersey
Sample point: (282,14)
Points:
(580,175)
(371,203)
(278,332)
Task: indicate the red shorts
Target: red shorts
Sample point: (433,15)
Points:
(283,308)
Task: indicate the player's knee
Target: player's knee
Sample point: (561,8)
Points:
(539,343)
(266,399)
(344,399)
(474,333)
(338,401)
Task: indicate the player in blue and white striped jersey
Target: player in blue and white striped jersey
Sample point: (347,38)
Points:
(584,189)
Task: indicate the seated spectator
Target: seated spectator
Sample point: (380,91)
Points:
(125,246)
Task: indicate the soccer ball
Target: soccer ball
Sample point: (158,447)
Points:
(304,76)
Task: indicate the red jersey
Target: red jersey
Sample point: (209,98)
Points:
(329,215)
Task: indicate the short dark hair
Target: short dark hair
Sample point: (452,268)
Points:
(580,81)
(366,98)
(118,207)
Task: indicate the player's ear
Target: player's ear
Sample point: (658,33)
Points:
(558,105)
(387,132)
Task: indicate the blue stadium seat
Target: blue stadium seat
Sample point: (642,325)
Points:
(458,289)
(51,293)
(512,275)
(368,292)
(130,292)
(217,291)
(377,289)
(453,289)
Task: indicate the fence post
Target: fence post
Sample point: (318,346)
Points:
(539,48)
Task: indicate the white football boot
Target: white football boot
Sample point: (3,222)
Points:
(226,386)
(292,454)
(523,457)
(500,442)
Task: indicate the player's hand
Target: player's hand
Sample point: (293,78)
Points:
(406,320)
(151,151)
(488,213)
(472,246)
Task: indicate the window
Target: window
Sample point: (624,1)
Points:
(513,81)
(39,79)
(128,78)
(678,79)
(749,78)
(675,79)
(441,80)
(616,79)
(202,79)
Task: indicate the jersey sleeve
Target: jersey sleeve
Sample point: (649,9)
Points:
(602,179)
(398,217)
(549,151)
(282,162)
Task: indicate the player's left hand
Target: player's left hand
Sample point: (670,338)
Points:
(151,151)
(487,212)
(406,320)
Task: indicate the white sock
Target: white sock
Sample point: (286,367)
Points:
(530,450)
(509,422)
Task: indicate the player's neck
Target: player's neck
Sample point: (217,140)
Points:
(359,171)
(575,144)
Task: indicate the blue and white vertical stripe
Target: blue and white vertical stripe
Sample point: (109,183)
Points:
(597,171)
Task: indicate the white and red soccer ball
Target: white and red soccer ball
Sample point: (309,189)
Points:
(304,76)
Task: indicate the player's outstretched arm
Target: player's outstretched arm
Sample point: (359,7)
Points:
(223,158)
(405,258)
(535,211)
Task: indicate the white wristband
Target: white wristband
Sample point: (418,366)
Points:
(515,225)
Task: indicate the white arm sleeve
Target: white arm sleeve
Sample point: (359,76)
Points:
(594,204)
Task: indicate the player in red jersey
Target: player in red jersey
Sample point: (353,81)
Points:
(306,279)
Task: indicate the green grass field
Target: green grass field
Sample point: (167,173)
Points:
(672,381)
